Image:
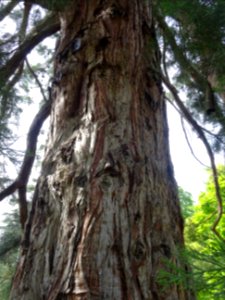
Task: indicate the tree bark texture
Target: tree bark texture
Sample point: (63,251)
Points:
(105,212)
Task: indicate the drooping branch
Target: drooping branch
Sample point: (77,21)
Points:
(187,115)
(48,26)
(179,55)
(7,9)
(214,135)
(186,65)
(201,81)
(32,141)
(36,79)
(21,181)
(189,144)
(184,130)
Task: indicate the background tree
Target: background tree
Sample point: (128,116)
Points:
(204,251)
(10,237)
(187,203)
(105,210)
(205,213)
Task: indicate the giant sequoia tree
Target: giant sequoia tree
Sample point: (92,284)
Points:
(105,212)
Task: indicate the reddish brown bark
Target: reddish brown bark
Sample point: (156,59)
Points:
(105,213)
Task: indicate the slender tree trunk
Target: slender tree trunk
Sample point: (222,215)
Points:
(105,212)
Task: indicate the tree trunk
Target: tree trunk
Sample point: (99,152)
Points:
(105,213)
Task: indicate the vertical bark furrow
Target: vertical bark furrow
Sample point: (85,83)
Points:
(109,213)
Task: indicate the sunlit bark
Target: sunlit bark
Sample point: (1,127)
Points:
(105,212)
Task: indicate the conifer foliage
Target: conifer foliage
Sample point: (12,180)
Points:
(190,37)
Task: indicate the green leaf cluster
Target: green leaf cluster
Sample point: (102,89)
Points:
(202,267)
(198,226)
(205,251)
(9,249)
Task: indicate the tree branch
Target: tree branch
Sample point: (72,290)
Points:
(187,66)
(24,22)
(189,144)
(185,132)
(7,9)
(36,79)
(48,26)
(215,136)
(201,135)
(20,183)
(180,56)
(9,190)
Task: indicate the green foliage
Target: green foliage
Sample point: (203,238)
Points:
(204,252)
(9,248)
(199,225)
(201,33)
(207,252)
(194,42)
(187,204)
(201,273)
(7,269)
(11,235)
(208,267)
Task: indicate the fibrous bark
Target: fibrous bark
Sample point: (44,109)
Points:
(105,212)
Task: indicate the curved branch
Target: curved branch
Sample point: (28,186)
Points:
(185,132)
(180,56)
(189,144)
(20,183)
(48,26)
(186,65)
(7,9)
(201,135)
(32,142)
(36,79)
(205,86)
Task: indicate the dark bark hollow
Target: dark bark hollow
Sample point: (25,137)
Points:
(105,213)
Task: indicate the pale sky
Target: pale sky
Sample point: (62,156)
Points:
(189,173)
